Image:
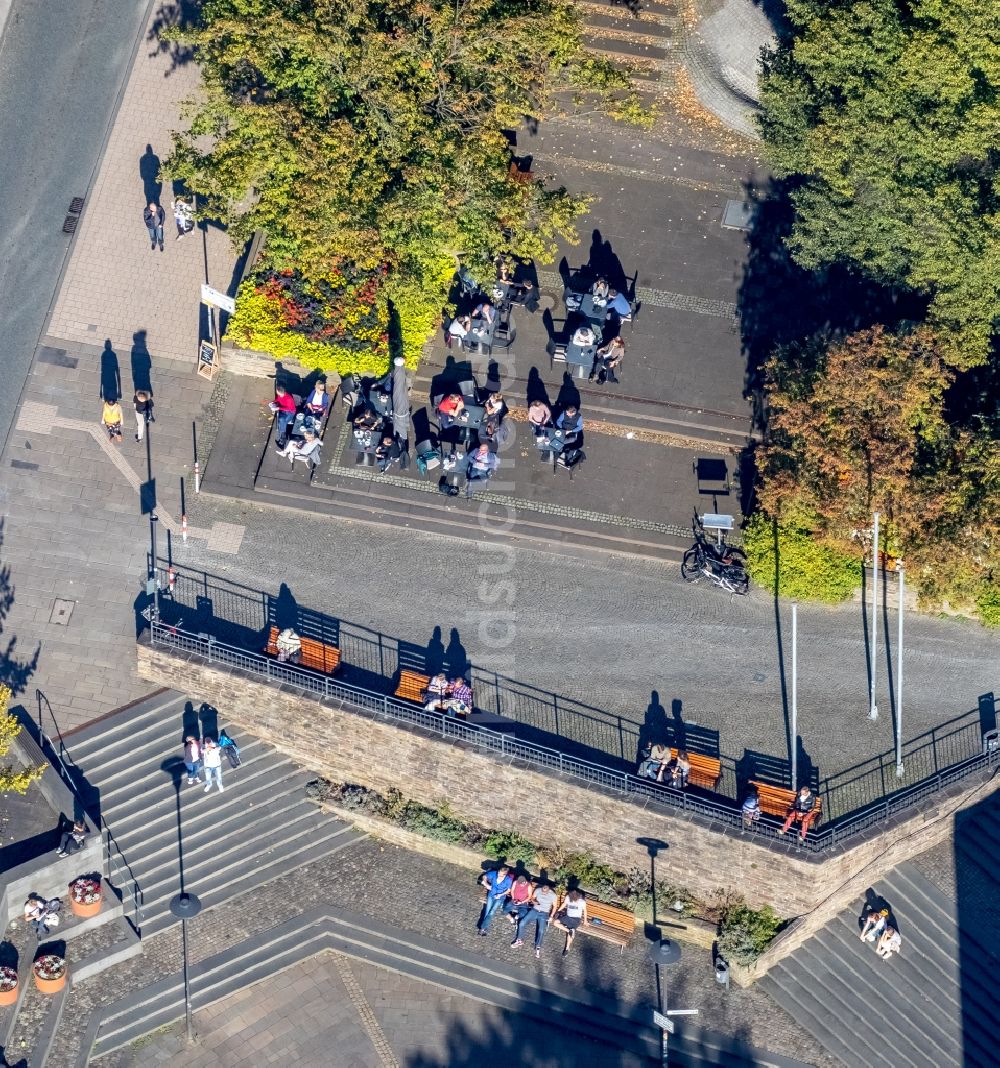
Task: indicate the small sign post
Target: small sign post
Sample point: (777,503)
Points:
(209,360)
(216,299)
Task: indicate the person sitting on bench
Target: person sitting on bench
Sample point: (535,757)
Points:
(435,693)
(656,758)
(803,809)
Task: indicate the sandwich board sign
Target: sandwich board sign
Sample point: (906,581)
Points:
(209,360)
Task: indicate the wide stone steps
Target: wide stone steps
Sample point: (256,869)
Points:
(259,827)
(930,1006)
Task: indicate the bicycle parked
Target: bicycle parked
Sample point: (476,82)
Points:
(723,565)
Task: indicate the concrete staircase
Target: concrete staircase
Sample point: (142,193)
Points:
(930,1006)
(261,825)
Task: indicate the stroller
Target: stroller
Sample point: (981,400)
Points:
(231,749)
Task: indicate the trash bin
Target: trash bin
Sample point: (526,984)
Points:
(722,973)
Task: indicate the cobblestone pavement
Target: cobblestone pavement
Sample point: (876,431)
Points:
(418,893)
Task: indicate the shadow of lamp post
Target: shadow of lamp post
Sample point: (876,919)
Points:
(663,953)
(184,906)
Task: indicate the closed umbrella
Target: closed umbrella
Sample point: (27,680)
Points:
(400,400)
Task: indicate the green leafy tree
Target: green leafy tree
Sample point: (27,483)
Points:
(373,132)
(861,425)
(886,119)
(13,779)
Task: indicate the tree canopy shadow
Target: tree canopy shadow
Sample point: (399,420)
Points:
(15,671)
(176,15)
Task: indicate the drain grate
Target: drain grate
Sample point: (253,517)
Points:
(76,205)
(62,610)
(69,224)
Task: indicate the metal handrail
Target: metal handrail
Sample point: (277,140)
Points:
(362,700)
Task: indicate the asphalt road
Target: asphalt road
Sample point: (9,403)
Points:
(61,70)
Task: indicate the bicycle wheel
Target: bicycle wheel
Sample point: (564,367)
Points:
(691,565)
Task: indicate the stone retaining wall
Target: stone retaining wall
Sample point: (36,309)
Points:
(348,746)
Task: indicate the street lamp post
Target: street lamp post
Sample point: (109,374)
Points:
(872,706)
(899,676)
(795,695)
(185,907)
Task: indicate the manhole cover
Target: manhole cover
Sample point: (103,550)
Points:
(62,611)
(738,215)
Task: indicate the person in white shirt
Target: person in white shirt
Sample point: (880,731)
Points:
(583,335)
(212,757)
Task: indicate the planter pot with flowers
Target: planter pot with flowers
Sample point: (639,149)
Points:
(50,973)
(8,985)
(85,896)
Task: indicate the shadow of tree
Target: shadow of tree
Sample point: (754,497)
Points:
(180,15)
(14,671)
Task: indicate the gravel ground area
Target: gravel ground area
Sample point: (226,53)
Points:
(421,894)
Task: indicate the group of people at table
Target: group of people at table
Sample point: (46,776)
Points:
(299,424)
(597,338)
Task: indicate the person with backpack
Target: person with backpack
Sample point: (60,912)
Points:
(498,884)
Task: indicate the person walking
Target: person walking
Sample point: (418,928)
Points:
(111,419)
(543,908)
(143,403)
(192,758)
(183,216)
(571,916)
(498,884)
(212,760)
(153,217)
(73,839)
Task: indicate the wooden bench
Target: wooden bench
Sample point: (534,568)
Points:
(313,654)
(777,800)
(611,923)
(412,685)
(705,771)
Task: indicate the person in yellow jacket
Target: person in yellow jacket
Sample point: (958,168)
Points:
(112,418)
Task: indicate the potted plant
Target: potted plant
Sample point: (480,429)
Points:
(50,973)
(85,895)
(8,985)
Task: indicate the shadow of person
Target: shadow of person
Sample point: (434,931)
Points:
(654,727)
(458,660)
(209,718)
(536,388)
(285,609)
(603,263)
(189,721)
(149,172)
(569,394)
(141,362)
(678,729)
(806,770)
(111,375)
(434,655)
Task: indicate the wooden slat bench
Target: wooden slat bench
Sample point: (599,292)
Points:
(615,924)
(412,685)
(777,800)
(705,771)
(313,654)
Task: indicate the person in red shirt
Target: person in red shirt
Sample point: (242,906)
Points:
(450,408)
(283,407)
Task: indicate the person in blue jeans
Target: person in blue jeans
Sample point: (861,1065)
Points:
(543,907)
(498,884)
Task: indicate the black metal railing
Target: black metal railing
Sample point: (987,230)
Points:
(720,811)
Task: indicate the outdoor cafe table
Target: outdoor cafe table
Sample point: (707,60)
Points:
(581,357)
(595,313)
(381,402)
(299,426)
(470,416)
(481,333)
(551,440)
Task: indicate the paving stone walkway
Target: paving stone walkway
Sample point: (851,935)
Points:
(416,893)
